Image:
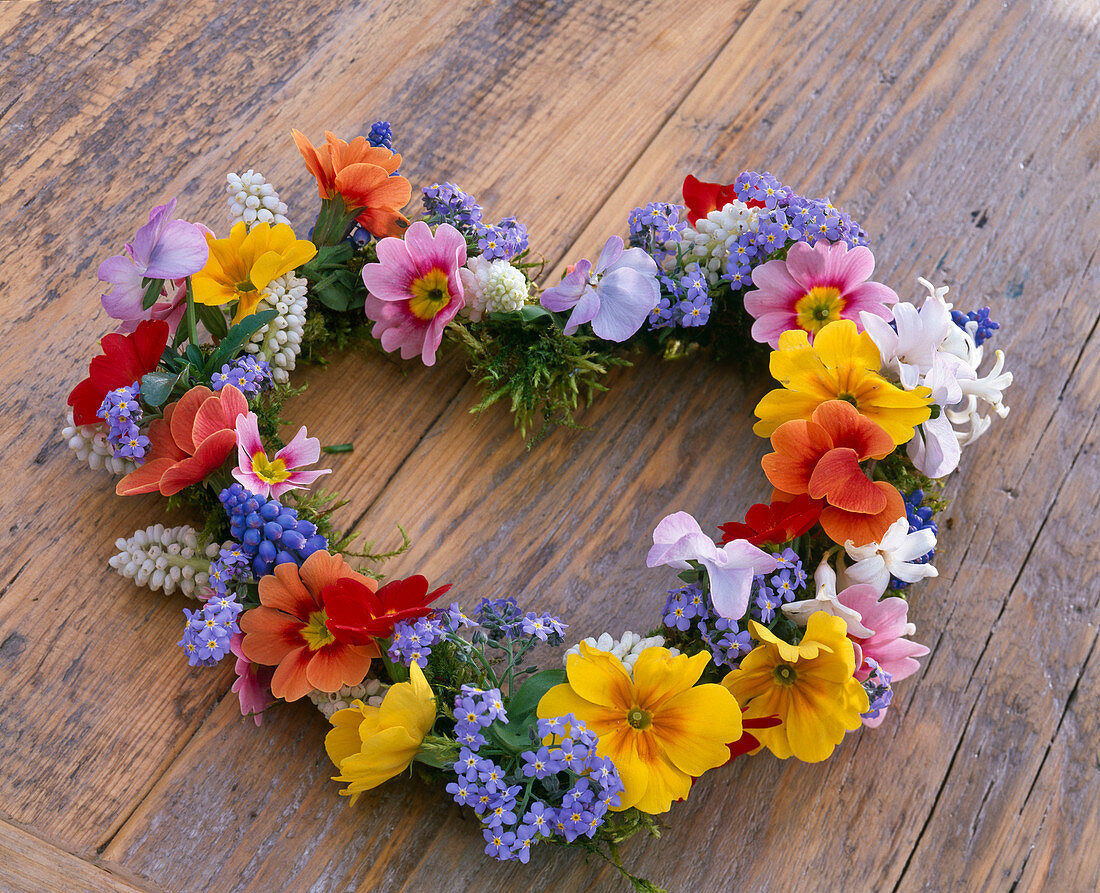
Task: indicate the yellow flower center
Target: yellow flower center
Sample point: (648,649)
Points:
(269,472)
(430,294)
(785,674)
(315,633)
(639,719)
(819,307)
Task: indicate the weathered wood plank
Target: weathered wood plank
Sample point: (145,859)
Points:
(125,104)
(898,125)
(29,864)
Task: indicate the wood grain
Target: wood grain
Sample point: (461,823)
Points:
(114,125)
(963,136)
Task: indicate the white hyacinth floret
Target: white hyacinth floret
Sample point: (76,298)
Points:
(493,287)
(369,691)
(707,243)
(89,442)
(167,558)
(280,341)
(627,648)
(253,200)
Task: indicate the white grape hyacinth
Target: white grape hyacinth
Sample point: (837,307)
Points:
(492,287)
(167,558)
(369,691)
(627,648)
(707,243)
(253,200)
(280,341)
(89,442)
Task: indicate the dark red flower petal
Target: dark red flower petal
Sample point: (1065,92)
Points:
(777,523)
(355,615)
(702,198)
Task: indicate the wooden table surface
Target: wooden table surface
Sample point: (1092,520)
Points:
(964,137)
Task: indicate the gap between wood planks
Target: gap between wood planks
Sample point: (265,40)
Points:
(461,394)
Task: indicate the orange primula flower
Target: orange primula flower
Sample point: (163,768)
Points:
(194,438)
(820,457)
(361,174)
(289,630)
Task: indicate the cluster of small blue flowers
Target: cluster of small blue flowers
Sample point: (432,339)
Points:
(503,619)
(879,692)
(770,592)
(208,631)
(122,412)
(412,642)
(685,301)
(230,566)
(381,134)
(920,518)
(249,375)
(690,606)
(504,240)
(655,227)
(984,327)
(447,203)
(269,533)
(786,217)
(511,827)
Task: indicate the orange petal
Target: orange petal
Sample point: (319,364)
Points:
(269,635)
(283,590)
(371,186)
(337,665)
(847,427)
(145,479)
(322,569)
(315,164)
(211,453)
(798,444)
(161,443)
(289,681)
(841,526)
(840,481)
(183,417)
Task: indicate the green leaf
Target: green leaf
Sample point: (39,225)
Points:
(530,693)
(236,337)
(212,319)
(194,356)
(156,387)
(531,312)
(153,288)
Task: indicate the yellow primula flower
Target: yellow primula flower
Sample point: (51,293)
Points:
(242,266)
(809,686)
(660,729)
(370,745)
(842,364)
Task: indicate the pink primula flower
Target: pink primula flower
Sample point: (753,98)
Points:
(273,477)
(813,287)
(162,249)
(253,685)
(415,289)
(615,296)
(679,539)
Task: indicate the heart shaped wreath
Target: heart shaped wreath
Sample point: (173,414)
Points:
(747,653)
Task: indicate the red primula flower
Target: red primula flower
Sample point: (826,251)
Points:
(125,359)
(702,198)
(747,743)
(358,615)
(777,523)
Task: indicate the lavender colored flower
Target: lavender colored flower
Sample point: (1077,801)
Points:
(248,374)
(501,617)
(503,241)
(879,692)
(615,295)
(122,413)
(656,227)
(765,605)
(540,763)
(545,627)
(555,725)
(499,843)
(539,818)
(162,249)
(453,618)
(412,642)
(464,791)
(447,203)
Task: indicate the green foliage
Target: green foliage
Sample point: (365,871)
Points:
(535,368)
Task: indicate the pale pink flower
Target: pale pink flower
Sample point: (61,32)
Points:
(679,539)
(274,477)
(813,287)
(253,685)
(415,289)
(888,618)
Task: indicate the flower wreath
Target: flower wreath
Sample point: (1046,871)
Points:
(747,653)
